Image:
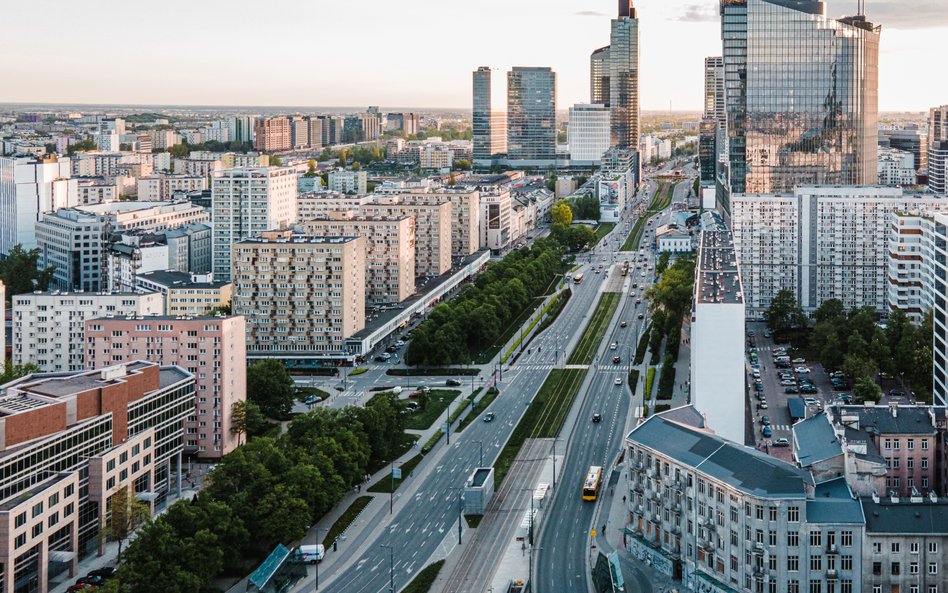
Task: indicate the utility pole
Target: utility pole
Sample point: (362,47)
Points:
(554,462)
(460,490)
(318,529)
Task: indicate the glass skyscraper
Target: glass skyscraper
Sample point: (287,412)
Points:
(801,93)
(489,129)
(599,77)
(531,114)
(624,77)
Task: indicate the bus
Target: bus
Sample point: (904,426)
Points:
(578,278)
(625,268)
(591,485)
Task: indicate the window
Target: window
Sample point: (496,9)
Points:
(876,547)
(896,568)
(772,539)
(793,586)
(932,568)
(20,540)
(913,548)
(816,586)
(793,538)
(816,563)
(793,514)
(37,510)
(924,462)
(793,563)
(773,513)
(816,538)
(53,519)
(895,547)
(20,520)
(846,538)
(846,586)
(846,563)
(37,529)
(759,512)
(924,444)
(877,589)
(932,547)
(913,567)
(877,568)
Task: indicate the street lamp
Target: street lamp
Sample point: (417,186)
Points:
(554,461)
(460,490)
(391,494)
(318,529)
(391,564)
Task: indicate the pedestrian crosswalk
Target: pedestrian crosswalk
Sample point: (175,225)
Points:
(776,427)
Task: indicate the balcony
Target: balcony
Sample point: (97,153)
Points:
(832,574)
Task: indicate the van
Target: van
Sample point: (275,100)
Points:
(311,554)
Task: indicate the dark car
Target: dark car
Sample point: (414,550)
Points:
(106,572)
(808,389)
(624,324)
(765,420)
(488,416)
(391,349)
(641,316)
(452,383)
(380,358)
(616,359)
(597,418)
(791,390)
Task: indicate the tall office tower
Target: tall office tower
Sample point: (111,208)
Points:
(299,132)
(272,133)
(314,127)
(714,107)
(938,149)
(372,124)
(489,122)
(802,95)
(599,77)
(588,133)
(531,114)
(624,77)
(910,138)
(246,202)
(240,128)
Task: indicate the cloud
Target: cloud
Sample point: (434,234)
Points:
(589,13)
(699,13)
(923,14)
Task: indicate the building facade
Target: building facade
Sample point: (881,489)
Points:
(938,149)
(185,293)
(531,115)
(157,188)
(896,167)
(272,134)
(588,133)
(432,230)
(489,123)
(28,188)
(624,77)
(599,93)
(212,349)
(348,182)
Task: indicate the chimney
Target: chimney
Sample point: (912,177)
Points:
(875,498)
(894,408)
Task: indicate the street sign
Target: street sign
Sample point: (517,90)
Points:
(444,427)
(592,533)
(397,473)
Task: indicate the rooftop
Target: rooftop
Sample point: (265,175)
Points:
(884,420)
(743,468)
(814,440)
(717,278)
(833,502)
(34,490)
(175,279)
(904,516)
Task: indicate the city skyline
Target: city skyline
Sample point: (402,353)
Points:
(676,36)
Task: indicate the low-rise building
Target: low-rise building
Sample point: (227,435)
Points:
(212,349)
(158,188)
(348,182)
(48,326)
(896,167)
(186,293)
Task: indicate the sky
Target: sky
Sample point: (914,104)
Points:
(409,53)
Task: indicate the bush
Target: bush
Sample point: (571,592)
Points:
(633,379)
(666,383)
(642,347)
(662,408)
(673,342)
(649,380)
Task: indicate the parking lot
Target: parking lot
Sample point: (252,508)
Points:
(773,405)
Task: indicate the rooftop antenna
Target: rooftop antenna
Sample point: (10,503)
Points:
(861,10)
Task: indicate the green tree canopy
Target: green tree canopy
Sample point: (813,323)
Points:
(271,388)
(20,274)
(784,313)
(561,213)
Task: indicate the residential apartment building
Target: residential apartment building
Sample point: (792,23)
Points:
(495,220)
(939,288)
(246,202)
(724,517)
(186,293)
(48,326)
(588,133)
(717,334)
(318,205)
(70,442)
(531,116)
(896,167)
(161,187)
(389,251)
(489,121)
(465,215)
(348,182)
(821,242)
(910,253)
(195,167)
(212,349)
(95,190)
(241,129)
(432,230)
(302,296)
(272,134)
(30,187)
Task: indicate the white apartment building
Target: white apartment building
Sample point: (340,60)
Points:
(495,219)
(193,167)
(588,133)
(348,182)
(96,191)
(321,204)
(896,167)
(48,326)
(246,202)
(821,242)
(156,188)
(909,252)
(28,188)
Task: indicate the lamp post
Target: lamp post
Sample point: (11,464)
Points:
(447,422)
(460,490)
(481,444)
(554,461)
(391,493)
(472,377)
(318,529)
(391,569)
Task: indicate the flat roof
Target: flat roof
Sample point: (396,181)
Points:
(905,516)
(743,468)
(814,440)
(33,490)
(890,419)
(833,502)
(175,279)
(717,278)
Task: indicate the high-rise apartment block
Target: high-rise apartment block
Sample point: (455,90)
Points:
(588,133)
(402,122)
(246,202)
(241,129)
(531,115)
(896,167)
(48,326)
(389,251)
(599,93)
(72,441)
(432,230)
(624,77)
(938,149)
(489,124)
(802,96)
(302,296)
(820,242)
(28,188)
(938,289)
(212,349)
(465,215)
(272,134)
(160,187)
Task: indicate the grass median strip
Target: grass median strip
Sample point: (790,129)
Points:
(346,519)
(384,485)
(425,579)
(595,330)
(543,418)
(438,401)
(604,229)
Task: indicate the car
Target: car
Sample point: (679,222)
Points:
(798,360)
(760,388)
(641,315)
(391,349)
(624,323)
(756,374)
(381,358)
(631,293)
(89,579)
(801,370)
(762,404)
(767,334)
(399,343)
(751,333)
(837,374)
(452,383)
(613,345)
(616,359)
(782,442)
(598,271)
(788,383)
(411,406)
(896,393)
(635,285)
(767,432)
(312,400)
(597,418)
(845,398)
(765,420)
(791,389)
(810,401)
(489,416)
(618,381)
(638,301)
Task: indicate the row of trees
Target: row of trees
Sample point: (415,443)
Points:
(669,301)
(585,208)
(184,149)
(456,331)
(856,344)
(573,238)
(266,492)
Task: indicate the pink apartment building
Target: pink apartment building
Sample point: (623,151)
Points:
(213,348)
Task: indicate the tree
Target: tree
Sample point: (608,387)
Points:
(865,389)
(82,146)
(784,314)
(126,513)
(462,165)
(180,151)
(325,155)
(223,309)
(271,388)
(275,161)
(561,213)
(12,372)
(830,310)
(246,419)
(50,147)
(20,273)
(311,171)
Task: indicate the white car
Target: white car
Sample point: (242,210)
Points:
(618,380)
(788,382)
(801,370)
(614,345)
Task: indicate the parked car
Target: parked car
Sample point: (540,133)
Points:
(791,389)
(781,442)
(106,572)
(801,370)
(767,432)
(391,349)
(762,404)
(808,389)
(787,382)
(765,420)
(382,358)
(798,360)
(767,334)
(399,343)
